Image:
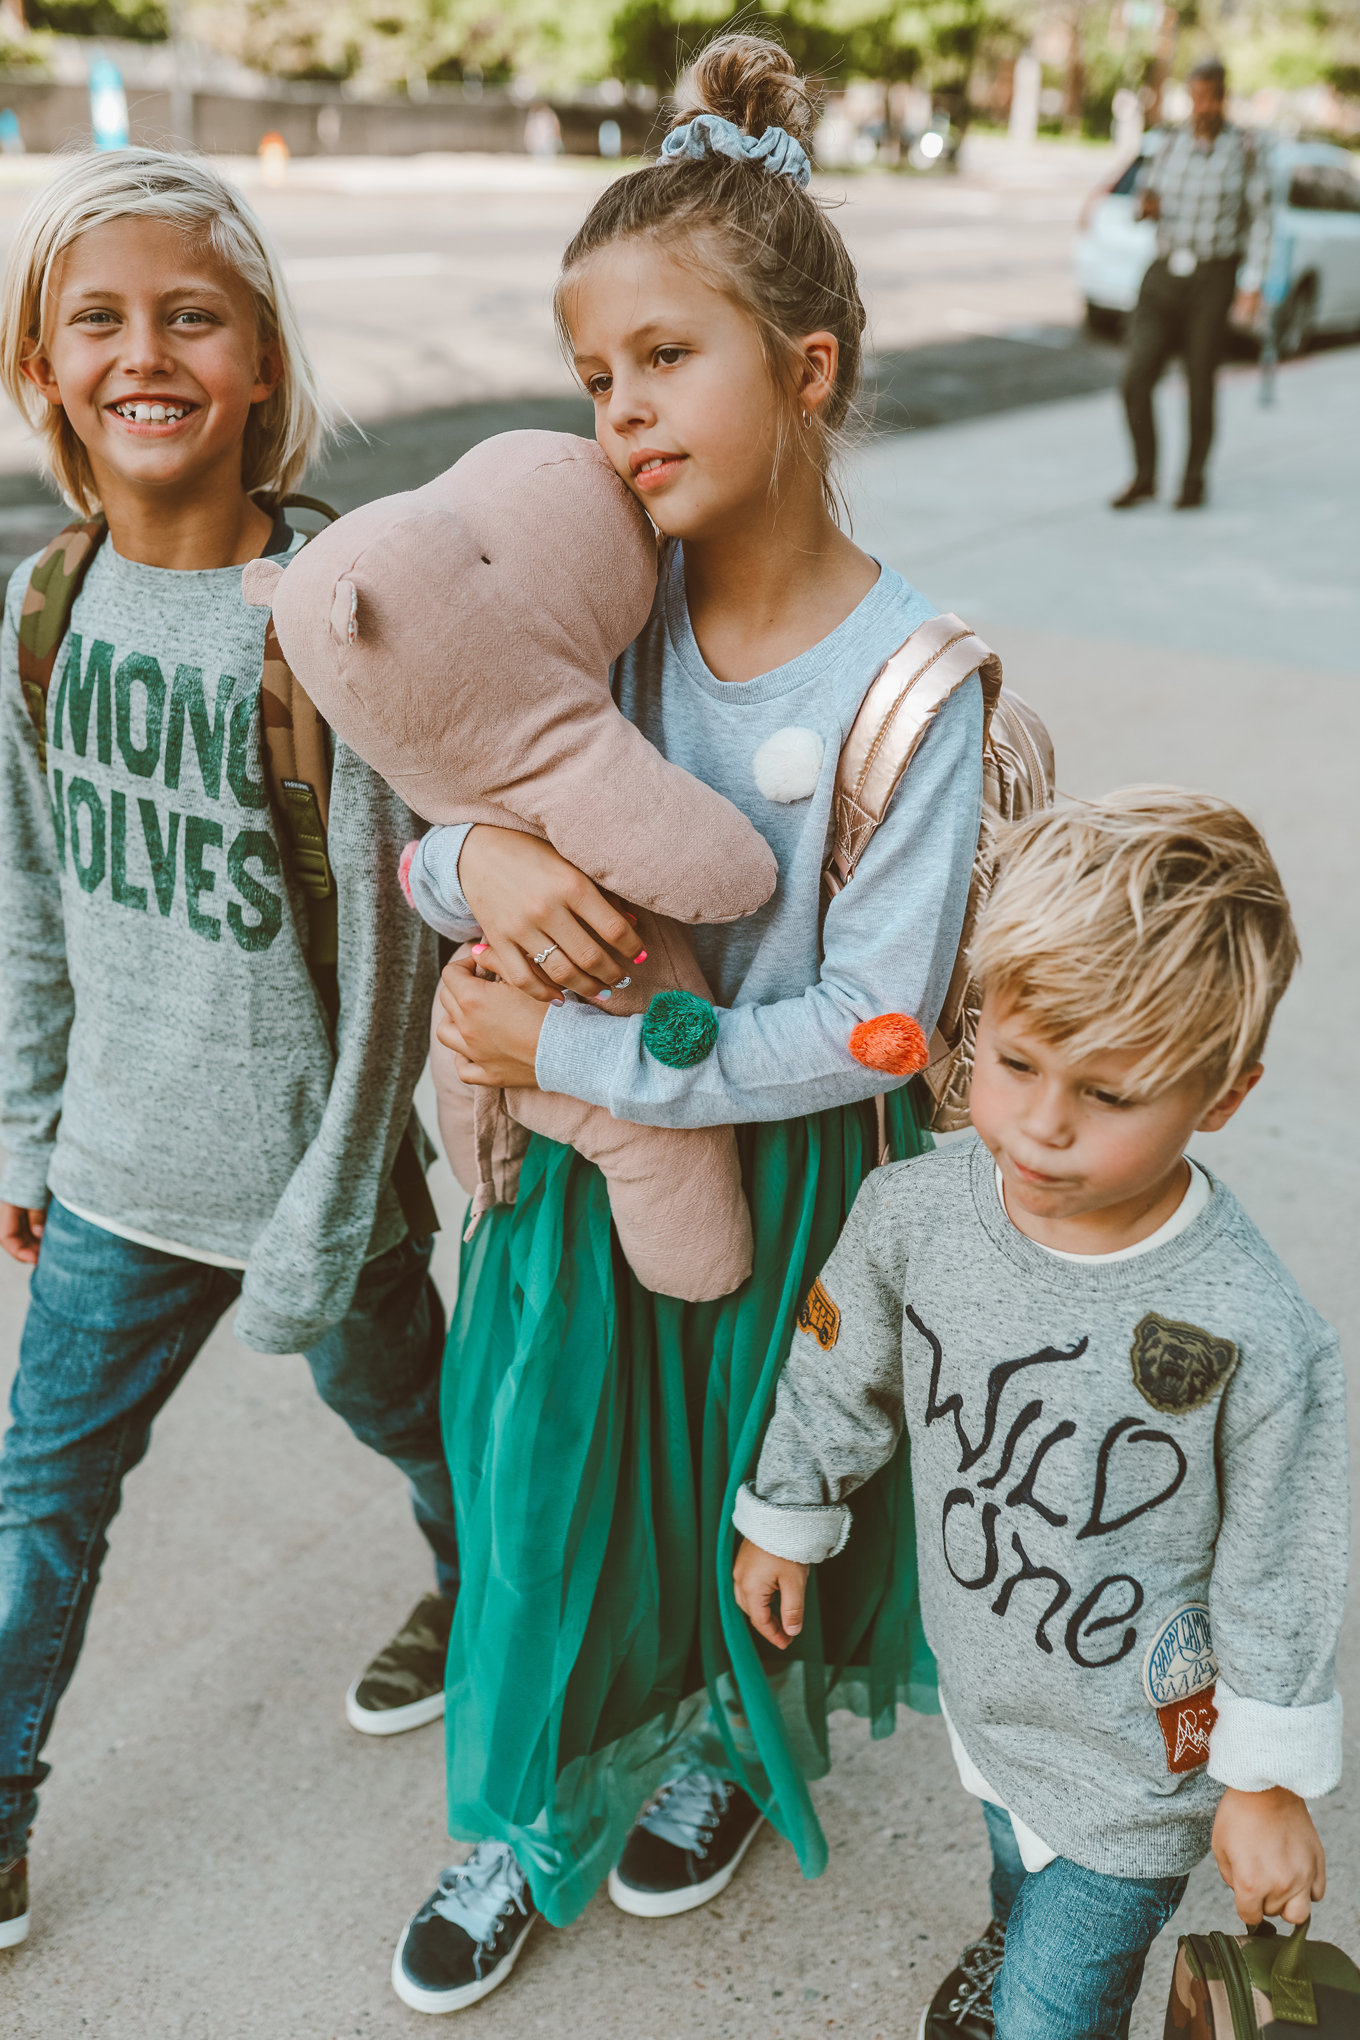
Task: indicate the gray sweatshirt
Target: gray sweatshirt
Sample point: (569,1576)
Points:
(165,1064)
(791,982)
(1131,1500)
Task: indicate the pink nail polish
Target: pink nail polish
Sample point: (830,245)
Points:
(479,948)
(641,956)
(630,917)
(559,1001)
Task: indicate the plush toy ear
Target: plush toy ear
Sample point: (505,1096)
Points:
(259,579)
(345,612)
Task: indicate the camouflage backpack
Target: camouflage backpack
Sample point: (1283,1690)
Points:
(295,757)
(1262,1986)
(1017,777)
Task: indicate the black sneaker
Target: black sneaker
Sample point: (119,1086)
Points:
(685,1848)
(14,1902)
(961,2008)
(404,1686)
(467,1936)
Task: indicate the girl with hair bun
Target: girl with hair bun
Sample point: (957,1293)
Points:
(598,1433)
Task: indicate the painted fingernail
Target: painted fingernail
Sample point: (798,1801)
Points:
(479,948)
(622,984)
(558,1001)
(630,917)
(604,995)
(641,956)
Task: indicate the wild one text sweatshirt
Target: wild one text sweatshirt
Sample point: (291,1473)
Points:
(1131,1500)
(165,1064)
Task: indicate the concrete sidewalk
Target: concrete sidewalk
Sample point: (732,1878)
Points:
(220,1856)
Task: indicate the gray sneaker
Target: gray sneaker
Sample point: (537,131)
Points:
(404,1686)
(14,1902)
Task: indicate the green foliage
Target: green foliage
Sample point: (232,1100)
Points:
(136,20)
(391,42)
(651,40)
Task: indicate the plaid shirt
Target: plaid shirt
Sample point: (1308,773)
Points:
(1215,199)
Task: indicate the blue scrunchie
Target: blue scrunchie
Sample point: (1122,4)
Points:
(708,134)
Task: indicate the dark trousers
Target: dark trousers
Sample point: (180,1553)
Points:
(1185,315)
(111,1330)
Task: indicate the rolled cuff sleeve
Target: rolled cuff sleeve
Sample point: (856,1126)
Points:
(1255,1746)
(433,879)
(805,1536)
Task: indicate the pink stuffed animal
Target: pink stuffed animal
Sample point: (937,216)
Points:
(459,639)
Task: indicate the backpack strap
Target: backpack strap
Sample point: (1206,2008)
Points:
(45,616)
(295,755)
(893,718)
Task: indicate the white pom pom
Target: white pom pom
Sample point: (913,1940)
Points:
(788,765)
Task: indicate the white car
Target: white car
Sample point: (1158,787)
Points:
(1315,247)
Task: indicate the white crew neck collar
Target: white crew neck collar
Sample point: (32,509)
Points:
(1197,1194)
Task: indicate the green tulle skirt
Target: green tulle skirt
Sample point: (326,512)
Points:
(597,1435)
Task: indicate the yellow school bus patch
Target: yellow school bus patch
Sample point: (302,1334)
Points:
(820,1316)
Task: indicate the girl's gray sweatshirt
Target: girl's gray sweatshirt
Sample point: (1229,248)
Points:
(790,983)
(165,1064)
(1131,1500)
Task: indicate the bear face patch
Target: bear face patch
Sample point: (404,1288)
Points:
(1178,1367)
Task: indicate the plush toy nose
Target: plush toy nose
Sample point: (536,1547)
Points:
(345,612)
(259,579)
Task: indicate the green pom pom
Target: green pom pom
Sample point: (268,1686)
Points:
(679,1030)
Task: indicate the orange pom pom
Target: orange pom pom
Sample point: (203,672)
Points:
(892,1042)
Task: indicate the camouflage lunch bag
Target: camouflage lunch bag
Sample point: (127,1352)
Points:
(1259,1986)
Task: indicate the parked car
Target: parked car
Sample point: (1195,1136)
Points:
(1315,246)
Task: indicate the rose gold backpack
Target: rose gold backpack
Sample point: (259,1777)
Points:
(1017,777)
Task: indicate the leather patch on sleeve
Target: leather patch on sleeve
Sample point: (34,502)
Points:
(1185,1726)
(820,1316)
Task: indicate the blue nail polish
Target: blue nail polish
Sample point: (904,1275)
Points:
(604,995)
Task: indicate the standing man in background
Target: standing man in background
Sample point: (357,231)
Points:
(1208,191)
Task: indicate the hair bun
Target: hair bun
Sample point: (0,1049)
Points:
(752,82)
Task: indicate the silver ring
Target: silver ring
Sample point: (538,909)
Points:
(544,954)
(622,984)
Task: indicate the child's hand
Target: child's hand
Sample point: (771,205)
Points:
(1269,1853)
(21,1231)
(527,899)
(492,1029)
(757,1577)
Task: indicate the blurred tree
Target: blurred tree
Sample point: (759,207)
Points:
(137,20)
(391,43)
(935,40)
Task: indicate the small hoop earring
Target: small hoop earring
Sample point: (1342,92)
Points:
(807,420)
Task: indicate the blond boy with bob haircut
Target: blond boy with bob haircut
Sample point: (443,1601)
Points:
(201,1110)
(1126,1424)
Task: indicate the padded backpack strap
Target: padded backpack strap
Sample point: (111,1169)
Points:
(296,761)
(893,719)
(45,616)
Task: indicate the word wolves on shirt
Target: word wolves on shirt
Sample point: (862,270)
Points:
(148,851)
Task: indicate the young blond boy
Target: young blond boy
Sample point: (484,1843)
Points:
(188,1128)
(1127,1426)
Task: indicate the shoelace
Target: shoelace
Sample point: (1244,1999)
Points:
(477,1894)
(979,1963)
(687,1811)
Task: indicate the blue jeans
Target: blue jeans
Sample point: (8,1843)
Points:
(1076,1942)
(111,1330)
